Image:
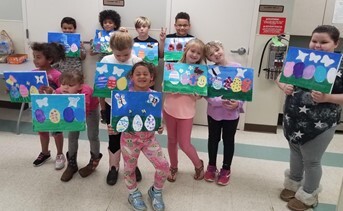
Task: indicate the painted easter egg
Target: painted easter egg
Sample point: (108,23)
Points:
(122,124)
(184,79)
(298,69)
(14,92)
(331,76)
(141,54)
(193,79)
(122,83)
(320,74)
(101,82)
(54,116)
(174,77)
(246,85)
(112,82)
(150,123)
(217,84)
(150,55)
(236,85)
(171,47)
(24,92)
(202,81)
(68,114)
(309,72)
(34,90)
(40,116)
(179,46)
(74,48)
(137,123)
(288,69)
(79,114)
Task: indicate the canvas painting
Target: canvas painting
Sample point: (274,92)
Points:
(174,48)
(310,69)
(136,111)
(230,82)
(185,78)
(148,51)
(101,41)
(22,84)
(70,41)
(58,112)
(110,77)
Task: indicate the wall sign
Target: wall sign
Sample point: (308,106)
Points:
(272,25)
(118,3)
(271,8)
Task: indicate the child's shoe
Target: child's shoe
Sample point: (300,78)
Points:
(156,199)
(90,168)
(136,201)
(224,177)
(41,159)
(60,161)
(210,174)
(199,172)
(172,175)
(112,176)
(71,168)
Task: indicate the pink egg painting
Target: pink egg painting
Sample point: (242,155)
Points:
(298,69)
(331,76)
(320,74)
(288,70)
(184,79)
(24,92)
(309,72)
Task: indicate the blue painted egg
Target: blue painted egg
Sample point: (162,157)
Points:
(68,114)
(40,116)
(14,92)
(79,114)
(320,74)
(298,69)
(101,82)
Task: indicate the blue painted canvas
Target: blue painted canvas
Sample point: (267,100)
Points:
(110,77)
(136,111)
(101,41)
(70,41)
(21,84)
(230,82)
(310,69)
(58,112)
(174,48)
(185,78)
(148,51)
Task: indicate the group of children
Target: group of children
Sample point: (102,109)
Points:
(178,113)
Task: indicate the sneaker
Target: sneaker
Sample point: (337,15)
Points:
(136,201)
(156,199)
(41,159)
(224,177)
(112,176)
(210,174)
(60,161)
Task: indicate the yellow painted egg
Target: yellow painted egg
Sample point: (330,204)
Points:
(54,116)
(33,90)
(122,83)
(236,85)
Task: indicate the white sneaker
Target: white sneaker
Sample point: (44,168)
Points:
(60,161)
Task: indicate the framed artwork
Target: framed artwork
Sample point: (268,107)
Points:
(148,51)
(58,112)
(101,41)
(22,84)
(230,82)
(70,41)
(185,78)
(136,111)
(110,77)
(174,48)
(310,69)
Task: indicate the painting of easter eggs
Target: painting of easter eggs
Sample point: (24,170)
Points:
(202,81)
(298,69)
(309,72)
(236,85)
(179,46)
(184,79)
(112,82)
(122,83)
(288,69)
(79,114)
(150,123)
(68,114)
(137,123)
(171,47)
(24,92)
(246,85)
(33,90)
(320,74)
(14,92)
(40,116)
(101,82)
(74,48)
(141,54)
(217,84)
(174,77)
(122,124)
(54,116)
(331,76)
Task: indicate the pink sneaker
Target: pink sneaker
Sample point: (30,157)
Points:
(210,174)
(224,177)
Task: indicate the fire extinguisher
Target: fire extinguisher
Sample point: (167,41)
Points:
(277,53)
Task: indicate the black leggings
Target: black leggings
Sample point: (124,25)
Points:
(113,140)
(215,129)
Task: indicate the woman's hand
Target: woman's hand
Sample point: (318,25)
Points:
(230,104)
(319,97)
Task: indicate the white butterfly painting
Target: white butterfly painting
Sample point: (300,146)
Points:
(39,79)
(73,101)
(42,102)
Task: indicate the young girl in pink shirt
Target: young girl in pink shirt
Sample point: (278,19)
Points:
(179,111)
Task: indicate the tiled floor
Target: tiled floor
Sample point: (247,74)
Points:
(257,175)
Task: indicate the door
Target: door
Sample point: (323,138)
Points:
(233,22)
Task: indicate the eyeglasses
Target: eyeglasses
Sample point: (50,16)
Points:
(180,26)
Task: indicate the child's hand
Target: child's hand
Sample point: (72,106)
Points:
(288,89)
(46,90)
(160,129)
(163,34)
(111,131)
(319,97)
(230,104)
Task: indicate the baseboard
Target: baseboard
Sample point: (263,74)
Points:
(260,128)
(7,104)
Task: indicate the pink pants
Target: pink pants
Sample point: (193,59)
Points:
(179,132)
(131,145)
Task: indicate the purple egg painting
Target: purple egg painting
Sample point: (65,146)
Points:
(309,72)
(320,74)
(184,79)
(332,75)
(39,114)
(68,114)
(288,69)
(298,69)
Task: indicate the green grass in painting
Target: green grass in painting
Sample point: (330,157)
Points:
(130,128)
(324,87)
(186,89)
(20,99)
(154,61)
(60,126)
(73,54)
(228,94)
(173,56)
